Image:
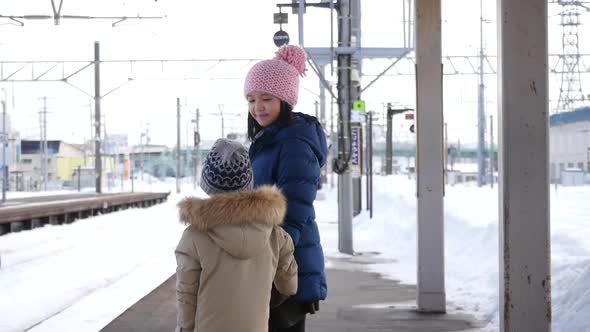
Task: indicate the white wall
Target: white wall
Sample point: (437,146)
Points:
(569,144)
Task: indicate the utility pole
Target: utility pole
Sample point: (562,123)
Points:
(389,142)
(334,141)
(342,163)
(322,117)
(301,11)
(43,143)
(141,149)
(196,142)
(481,116)
(323,175)
(220,106)
(4,143)
(492,156)
(97,118)
(317,104)
(105,145)
(355,42)
(370,163)
(446,153)
(91,131)
(178,145)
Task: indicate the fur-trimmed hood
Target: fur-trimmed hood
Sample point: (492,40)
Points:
(239,222)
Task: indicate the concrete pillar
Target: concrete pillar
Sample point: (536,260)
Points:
(525,287)
(429,126)
(4,229)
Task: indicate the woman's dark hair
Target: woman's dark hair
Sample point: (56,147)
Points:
(285,119)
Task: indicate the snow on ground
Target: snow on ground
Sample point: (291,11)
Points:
(82,275)
(471,246)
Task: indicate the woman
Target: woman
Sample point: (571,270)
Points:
(288,149)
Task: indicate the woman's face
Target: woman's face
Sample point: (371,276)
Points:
(264,108)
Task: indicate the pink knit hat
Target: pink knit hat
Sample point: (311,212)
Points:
(279,76)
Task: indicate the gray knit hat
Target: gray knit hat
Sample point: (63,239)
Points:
(227,168)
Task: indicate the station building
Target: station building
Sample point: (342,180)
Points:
(569,137)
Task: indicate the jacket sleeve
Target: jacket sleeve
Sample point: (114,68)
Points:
(298,177)
(188,273)
(286,276)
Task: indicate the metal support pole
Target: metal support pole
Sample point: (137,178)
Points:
(322,119)
(389,143)
(197,150)
(342,164)
(525,266)
(4,143)
(79,180)
(357,176)
(322,69)
(142,158)
(492,156)
(178,145)
(97,119)
(429,158)
(446,154)
(300,21)
(317,109)
(44,154)
(355,33)
(481,116)
(334,141)
(370,163)
(132,178)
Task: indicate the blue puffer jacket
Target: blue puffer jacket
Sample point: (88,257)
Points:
(291,157)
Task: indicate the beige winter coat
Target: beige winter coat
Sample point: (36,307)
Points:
(228,258)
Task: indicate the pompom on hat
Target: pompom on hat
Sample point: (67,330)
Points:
(278,76)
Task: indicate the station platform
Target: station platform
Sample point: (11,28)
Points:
(32,212)
(45,199)
(357,301)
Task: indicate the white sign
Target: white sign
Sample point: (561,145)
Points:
(356,157)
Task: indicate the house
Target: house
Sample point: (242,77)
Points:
(62,161)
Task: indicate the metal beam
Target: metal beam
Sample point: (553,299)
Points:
(325,53)
(525,274)
(430,167)
(404,66)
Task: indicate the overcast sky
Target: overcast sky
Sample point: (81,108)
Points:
(230,29)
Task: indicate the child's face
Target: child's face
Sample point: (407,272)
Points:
(264,108)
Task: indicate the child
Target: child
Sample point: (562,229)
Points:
(234,249)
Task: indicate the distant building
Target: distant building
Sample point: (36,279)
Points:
(569,143)
(62,161)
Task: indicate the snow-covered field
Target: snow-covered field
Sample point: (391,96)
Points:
(82,275)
